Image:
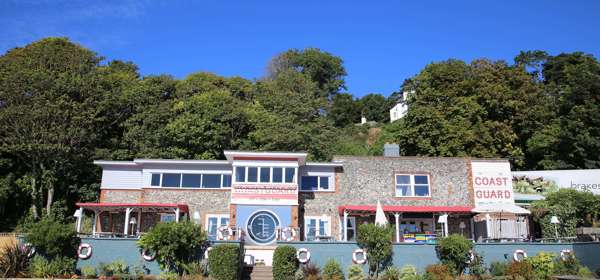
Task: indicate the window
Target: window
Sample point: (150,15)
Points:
(167,218)
(315,183)
(211,181)
(265,174)
(316,227)
(240,174)
(289,175)
(191,180)
(226,181)
(277,175)
(412,185)
(175,180)
(261,227)
(252,174)
(171,180)
(214,222)
(155,180)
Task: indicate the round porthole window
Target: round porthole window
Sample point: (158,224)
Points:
(261,227)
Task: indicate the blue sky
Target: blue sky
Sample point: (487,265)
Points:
(382,42)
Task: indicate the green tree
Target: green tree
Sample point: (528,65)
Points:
(377,241)
(323,68)
(374,107)
(344,110)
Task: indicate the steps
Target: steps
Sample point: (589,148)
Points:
(261,272)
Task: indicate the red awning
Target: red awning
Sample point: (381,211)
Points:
(405,208)
(106,205)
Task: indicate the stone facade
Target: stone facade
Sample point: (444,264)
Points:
(365,180)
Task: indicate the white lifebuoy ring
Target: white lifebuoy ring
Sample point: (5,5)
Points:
(304,251)
(566,254)
(517,253)
(88,251)
(471,256)
(147,257)
(206,252)
(355,254)
(28,247)
(221,230)
(288,234)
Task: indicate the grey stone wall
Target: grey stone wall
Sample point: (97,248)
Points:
(364,180)
(203,201)
(120,196)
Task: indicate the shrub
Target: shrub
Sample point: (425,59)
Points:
(285,263)
(438,272)
(117,267)
(520,271)
(88,271)
(542,264)
(175,244)
(52,238)
(13,260)
(377,241)
(392,273)
(224,262)
(355,272)
(311,272)
(476,267)
(498,268)
(332,270)
(197,268)
(453,251)
(62,267)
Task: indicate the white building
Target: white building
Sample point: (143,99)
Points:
(400,109)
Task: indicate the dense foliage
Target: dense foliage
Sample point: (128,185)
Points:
(53,239)
(573,208)
(62,106)
(175,244)
(224,262)
(377,241)
(454,251)
(285,263)
(355,272)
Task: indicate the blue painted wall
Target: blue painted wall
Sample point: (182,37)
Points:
(243,213)
(106,250)
(422,255)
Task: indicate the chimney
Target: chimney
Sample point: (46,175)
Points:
(391,150)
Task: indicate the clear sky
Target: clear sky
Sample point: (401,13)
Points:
(381,42)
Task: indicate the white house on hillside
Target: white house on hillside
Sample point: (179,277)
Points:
(400,109)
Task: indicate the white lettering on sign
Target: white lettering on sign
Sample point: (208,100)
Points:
(492,182)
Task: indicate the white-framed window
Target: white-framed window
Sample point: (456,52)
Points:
(167,217)
(412,185)
(316,226)
(191,180)
(213,222)
(316,183)
(256,174)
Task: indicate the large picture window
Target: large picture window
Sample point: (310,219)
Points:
(213,222)
(412,185)
(178,180)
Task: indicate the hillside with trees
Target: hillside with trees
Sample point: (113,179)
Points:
(63,106)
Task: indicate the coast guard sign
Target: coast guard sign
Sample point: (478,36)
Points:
(492,182)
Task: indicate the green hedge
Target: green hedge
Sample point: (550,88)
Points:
(224,262)
(284,262)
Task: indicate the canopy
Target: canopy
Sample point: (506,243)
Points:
(150,207)
(501,208)
(405,208)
